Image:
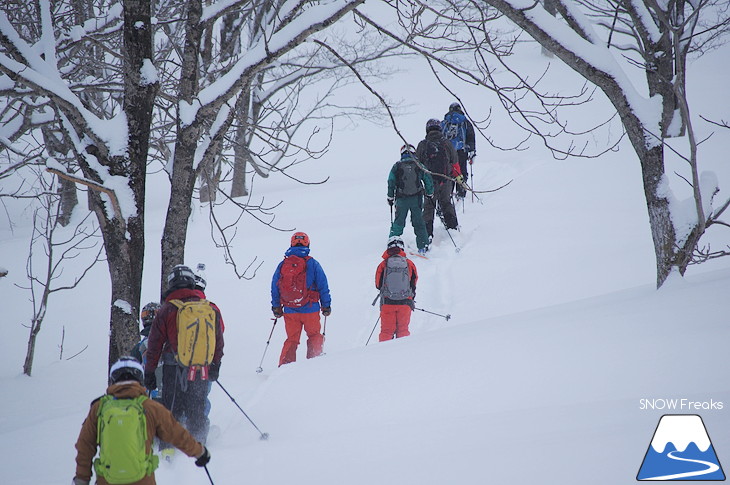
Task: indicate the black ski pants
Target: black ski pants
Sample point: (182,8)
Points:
(442,196)
(186,400)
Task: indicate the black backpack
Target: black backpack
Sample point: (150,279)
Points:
(407,179)
(437,160)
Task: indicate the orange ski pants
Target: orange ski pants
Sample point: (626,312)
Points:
(394,320)
(294,322)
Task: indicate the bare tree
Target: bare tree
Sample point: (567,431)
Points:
(51,251)
(83,67)
(209,97)
(602,42)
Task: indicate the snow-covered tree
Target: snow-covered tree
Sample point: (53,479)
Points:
(603,41)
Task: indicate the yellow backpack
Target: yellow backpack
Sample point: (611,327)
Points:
(196,328)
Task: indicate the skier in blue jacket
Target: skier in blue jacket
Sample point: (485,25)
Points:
(299,290)
(457,128)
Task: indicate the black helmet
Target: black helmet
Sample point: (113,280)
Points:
(433,124)
(181,277)
(126,369)
(147,315)
(455,107)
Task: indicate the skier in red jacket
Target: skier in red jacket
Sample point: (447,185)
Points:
(396,278)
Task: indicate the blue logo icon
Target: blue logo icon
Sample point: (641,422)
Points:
(680,450)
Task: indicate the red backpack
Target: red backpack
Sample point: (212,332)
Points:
(293,291)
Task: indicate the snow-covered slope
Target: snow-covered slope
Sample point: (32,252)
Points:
(556,334)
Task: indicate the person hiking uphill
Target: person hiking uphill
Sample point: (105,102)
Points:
(299,290)
(439,157)
(122,424)
(187,335)
(407,184)
(396,278)
(458,129)
(139,351)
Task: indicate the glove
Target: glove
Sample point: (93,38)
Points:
(278,311)
(204,458)
(390,201)
(411,304)
(150,381)
(80,481)
(459,179)
(214,370)
(326,311)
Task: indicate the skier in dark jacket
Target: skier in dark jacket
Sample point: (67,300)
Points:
(439,156)
(407,184)
(186,388)
(457,128)
(397,285)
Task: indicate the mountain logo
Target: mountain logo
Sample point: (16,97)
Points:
(680,450)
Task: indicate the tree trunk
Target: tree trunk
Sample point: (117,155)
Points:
(183,172)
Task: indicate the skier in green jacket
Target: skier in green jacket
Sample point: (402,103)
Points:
(407,184)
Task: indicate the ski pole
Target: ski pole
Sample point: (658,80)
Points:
(205,467)
(372,331)
(260,369)
(471,176)
(264,436)
(443,221)
(376,299)
(447,316)
(391,214)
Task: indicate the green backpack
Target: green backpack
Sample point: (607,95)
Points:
(121,435)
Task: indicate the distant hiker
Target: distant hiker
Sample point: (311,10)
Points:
(187,334)
(122,424)
(458,129)
(299,290)
(396,278)
(439,156)
(139,351)
(407,184)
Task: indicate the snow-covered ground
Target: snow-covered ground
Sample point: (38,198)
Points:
(555,337)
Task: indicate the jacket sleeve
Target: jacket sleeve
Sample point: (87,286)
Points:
(218,355)
(275,296)
(453,154)
(379,275)
(392,180)
(471,140)
(427,182)
(86,444)
(169,429)
(414,274)
(321,285)
(158,337)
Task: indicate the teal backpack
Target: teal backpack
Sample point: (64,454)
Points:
(121,435)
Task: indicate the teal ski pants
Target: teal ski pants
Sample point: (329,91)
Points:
(414,204)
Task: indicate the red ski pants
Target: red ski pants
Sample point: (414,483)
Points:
(394,320)
(294,322)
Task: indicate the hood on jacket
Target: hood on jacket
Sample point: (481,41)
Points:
(126,390)
(300,251)
(393,252)
(183,293)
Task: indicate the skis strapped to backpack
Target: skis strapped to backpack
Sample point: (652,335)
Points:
(196,335)
(122,438)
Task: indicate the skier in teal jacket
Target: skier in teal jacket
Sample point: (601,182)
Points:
(407,184)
